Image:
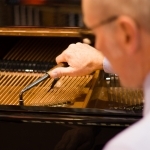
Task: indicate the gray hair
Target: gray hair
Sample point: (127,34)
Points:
(137,9)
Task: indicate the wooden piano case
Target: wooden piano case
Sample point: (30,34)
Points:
(94,104)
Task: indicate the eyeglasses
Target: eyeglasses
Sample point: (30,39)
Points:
(109,20)
(91,37)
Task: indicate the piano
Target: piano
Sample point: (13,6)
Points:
(76,113)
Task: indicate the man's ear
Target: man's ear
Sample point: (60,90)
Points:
(128,34)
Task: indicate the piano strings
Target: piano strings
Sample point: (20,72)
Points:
(66,89)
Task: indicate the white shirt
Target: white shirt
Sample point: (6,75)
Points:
(137,136)
(107,66)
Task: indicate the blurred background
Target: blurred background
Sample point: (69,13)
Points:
(40,13)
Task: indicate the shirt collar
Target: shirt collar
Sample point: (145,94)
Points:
(146,90)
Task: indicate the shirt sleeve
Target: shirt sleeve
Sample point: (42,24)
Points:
(135,137)
(107,66)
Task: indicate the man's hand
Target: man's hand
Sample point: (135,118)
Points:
(81,58)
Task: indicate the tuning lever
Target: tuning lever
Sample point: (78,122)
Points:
(43,78)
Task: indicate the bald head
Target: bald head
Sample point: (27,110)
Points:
(139,10)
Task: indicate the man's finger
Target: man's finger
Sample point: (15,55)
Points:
(61,58)
(63,71)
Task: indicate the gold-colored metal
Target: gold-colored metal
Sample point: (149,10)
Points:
(67,89)
(111,95)
(43,32)
(37,49)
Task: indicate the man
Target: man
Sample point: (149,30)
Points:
(122,34)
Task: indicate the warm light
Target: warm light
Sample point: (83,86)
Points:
(33,2)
